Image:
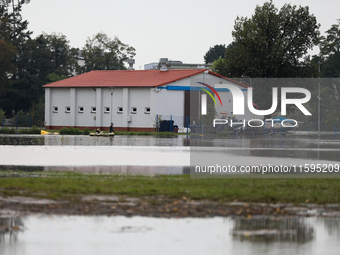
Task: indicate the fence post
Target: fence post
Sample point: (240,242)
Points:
(308,128)
(187,124)
(264,129)
(334,131)
(17,122)
(157,129)
(170,123)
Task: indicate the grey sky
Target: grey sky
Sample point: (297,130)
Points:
(177,29)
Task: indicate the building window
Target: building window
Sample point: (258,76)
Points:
(147,110)
(119,109)
(93,109)
(55,108)
(80,109)
(106,109)
(134,110)
(67,109)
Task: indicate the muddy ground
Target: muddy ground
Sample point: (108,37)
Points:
(158,206)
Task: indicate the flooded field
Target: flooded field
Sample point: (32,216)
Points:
(252,142)
(81,140)
(159,155)
(54,234)
(38,234)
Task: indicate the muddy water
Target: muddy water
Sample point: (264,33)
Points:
(141,235)
(150,155)
(80,140)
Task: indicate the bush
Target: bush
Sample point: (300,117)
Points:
(86,131)
(2,115)
(70,131)
(7,131)
(76,131)
(33,130)
(64,131)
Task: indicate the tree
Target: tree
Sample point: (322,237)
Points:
(19,36)
(330,52)
(272,43)
(62,55)
(25,63)
(214,53)
(103,53)
(7,54)
(207,120)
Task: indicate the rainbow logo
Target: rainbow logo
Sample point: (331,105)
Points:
(208,92)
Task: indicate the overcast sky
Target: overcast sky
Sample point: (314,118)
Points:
(177,29)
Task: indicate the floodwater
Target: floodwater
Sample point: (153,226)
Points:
(159,155)
(81,140)
(39,234)
(233,142)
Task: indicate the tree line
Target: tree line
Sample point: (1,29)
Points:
(274,43)
(26,63)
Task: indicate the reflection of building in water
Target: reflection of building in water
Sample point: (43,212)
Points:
(292,147)
(9,228)
(269,229)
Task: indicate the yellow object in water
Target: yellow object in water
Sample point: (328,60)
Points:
(43,132)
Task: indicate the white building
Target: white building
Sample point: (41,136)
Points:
(177,65)
(131,99)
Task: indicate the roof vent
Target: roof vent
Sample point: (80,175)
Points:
(131,62)
(163,62)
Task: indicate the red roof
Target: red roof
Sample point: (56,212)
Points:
(128,78)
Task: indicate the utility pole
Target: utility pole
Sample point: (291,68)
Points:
(319,99)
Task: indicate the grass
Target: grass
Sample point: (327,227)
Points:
(65,185)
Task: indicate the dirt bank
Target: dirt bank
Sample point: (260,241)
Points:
(158,206)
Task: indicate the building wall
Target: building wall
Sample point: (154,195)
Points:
(138,100)
(131,108)
(59,98)
(226,109)
(85,98)
(170,105)
(167,100)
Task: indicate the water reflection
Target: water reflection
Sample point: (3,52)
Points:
(253,142)
(21,140)
(254,147)
(148,235)
(289,142)
(269,230)
(80,140)
(274,147)
(9,228)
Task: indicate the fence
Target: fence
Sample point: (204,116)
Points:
(20,122)
(185,124)
(312,128)
(171,123)
(336,131)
